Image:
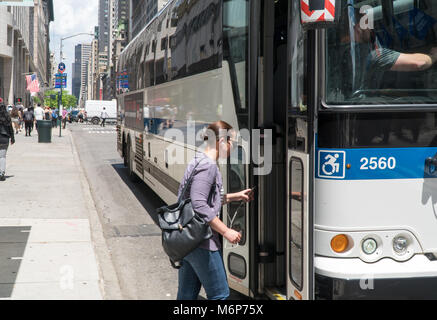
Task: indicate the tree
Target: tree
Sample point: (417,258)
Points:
(69,100)
(36,100)
(51,99)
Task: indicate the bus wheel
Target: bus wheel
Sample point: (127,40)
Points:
(132,175)
(95,121)
(125,162)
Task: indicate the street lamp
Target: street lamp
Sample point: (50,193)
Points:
(61,56)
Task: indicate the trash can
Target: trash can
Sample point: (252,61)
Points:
(44,131)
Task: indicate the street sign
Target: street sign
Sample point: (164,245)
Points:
(19,3)
(60,80)
(61,67)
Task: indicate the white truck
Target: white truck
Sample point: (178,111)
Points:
(94,109)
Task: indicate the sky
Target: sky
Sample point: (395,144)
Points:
(72,17)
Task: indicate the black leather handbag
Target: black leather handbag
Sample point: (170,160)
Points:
(183,230)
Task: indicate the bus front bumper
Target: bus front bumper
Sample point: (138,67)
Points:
(338,278)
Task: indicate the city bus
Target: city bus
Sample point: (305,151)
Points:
(339,100)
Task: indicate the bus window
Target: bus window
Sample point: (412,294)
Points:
(383,52)
(298,63)
(296,221)
(237,182)
(178,40)
(203,51)
(235,33)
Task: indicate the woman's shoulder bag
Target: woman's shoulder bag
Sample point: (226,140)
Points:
(183,230)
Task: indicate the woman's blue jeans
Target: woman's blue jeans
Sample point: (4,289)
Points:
(203,268)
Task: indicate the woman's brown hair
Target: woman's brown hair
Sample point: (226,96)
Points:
(217,130)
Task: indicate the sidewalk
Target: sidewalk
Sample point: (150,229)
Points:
(46,248)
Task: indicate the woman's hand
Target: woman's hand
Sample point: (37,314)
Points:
(245,195)
(232,236)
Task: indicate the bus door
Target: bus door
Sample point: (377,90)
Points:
(239,259)
(300,145)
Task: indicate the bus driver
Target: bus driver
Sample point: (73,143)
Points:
(365,44)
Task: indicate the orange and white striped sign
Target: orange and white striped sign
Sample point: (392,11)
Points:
(324,13)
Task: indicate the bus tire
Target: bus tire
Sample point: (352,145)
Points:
(132,175)
(95,120)
(124,154)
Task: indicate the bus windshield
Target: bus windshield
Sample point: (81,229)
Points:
(383,52)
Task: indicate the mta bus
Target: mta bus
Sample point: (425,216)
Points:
(339,96)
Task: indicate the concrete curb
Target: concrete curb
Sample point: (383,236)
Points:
(110,286)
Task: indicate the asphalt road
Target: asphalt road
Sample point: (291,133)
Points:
(126,212)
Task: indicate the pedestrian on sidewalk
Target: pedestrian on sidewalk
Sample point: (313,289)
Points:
(54,118)
(47,113)
(39,114)
(29,118)
(6,134)
(204,265)
(64,118)
(104,116)
(15,117)
(20,108)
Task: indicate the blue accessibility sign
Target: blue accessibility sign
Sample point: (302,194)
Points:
(332,164)
(377,164)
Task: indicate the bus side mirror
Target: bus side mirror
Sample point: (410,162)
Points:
(319,14)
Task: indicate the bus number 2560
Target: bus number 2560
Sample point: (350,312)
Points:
(375,163)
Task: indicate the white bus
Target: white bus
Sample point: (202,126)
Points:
(349,207)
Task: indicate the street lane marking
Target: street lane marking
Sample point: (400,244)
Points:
(101,132)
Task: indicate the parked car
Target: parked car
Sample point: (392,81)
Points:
(73,116)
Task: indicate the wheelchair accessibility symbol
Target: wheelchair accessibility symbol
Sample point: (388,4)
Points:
(332,164)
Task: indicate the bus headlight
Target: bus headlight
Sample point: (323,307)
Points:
(400,245)
(369,246)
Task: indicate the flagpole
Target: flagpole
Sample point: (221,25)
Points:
(62,58)
(60,102)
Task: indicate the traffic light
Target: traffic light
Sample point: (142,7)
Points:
(18,100)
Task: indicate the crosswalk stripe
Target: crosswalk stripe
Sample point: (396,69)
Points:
(102,132)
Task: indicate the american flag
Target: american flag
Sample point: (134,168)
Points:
(32,83)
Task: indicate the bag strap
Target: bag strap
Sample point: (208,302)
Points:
(188,182)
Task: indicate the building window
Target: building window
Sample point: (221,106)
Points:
(9,36)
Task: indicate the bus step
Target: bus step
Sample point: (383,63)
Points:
(276,294)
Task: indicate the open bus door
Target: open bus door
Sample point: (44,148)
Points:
(302,105)
(300,273)
(238,61)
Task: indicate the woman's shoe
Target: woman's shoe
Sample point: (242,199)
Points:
(2,177)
